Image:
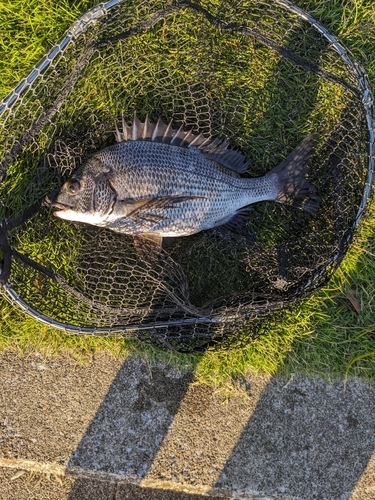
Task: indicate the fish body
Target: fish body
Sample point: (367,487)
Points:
(162,182)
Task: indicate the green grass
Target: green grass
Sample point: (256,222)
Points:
(324,336)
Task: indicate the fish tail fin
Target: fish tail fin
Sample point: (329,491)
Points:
(294,188)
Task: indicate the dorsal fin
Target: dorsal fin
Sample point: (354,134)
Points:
(217,149)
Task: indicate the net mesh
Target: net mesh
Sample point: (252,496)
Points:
(261,74)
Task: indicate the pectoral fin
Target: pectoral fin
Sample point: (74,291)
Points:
(142,211)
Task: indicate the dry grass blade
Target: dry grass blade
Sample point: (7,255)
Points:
(354,301)
(58,479)
(17,475)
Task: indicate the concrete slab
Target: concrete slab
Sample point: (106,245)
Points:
(151,430)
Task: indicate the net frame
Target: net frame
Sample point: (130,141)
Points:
(73,33)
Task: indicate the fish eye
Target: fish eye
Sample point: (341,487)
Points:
(73,186)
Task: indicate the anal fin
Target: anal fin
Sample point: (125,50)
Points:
(237,224)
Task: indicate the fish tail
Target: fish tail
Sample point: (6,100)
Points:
(294,188)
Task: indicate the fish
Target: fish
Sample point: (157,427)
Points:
(160,182)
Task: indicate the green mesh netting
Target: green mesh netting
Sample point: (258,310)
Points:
(260,73)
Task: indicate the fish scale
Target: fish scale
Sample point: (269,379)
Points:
(164,182)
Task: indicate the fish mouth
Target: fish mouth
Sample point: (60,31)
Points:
(62,208)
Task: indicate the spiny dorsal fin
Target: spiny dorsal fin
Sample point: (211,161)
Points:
(137,128)
(217,149)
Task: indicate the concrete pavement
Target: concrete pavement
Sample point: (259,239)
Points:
(124,429)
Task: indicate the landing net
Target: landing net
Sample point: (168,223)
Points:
(261,74)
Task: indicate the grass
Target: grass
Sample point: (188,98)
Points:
(332,334)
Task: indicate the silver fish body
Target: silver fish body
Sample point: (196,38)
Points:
(163,182)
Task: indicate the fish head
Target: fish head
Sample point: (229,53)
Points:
(87,197)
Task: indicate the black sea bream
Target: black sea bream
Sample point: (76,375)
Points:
(159,182)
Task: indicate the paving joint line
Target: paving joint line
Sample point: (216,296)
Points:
(117,479)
